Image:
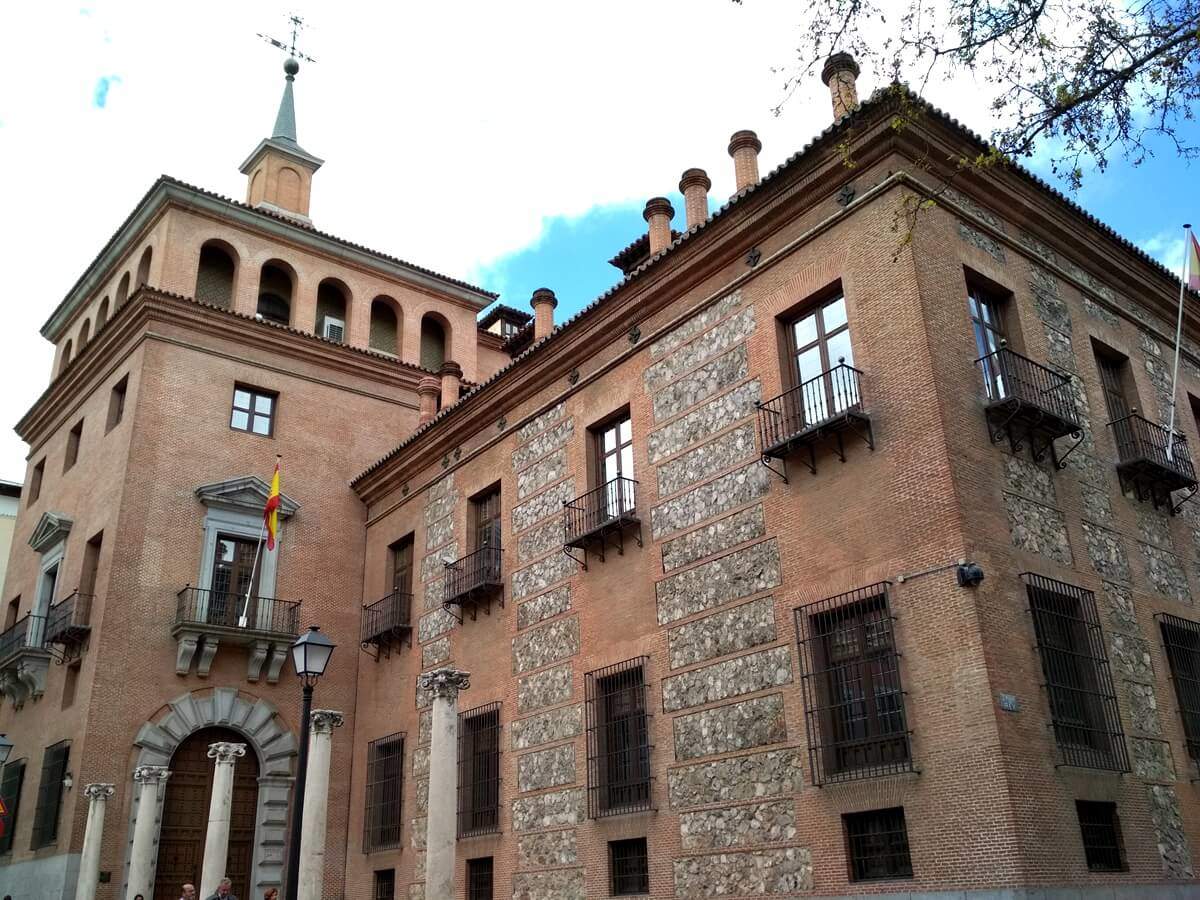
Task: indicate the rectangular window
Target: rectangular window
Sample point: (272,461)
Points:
(877,845)
(629,867)
(234,574)
(253,410)
(401,565)
(613,442)
(1083,704)
(485,519)
(819,345)
(618,733)
(853,698)
(1181,638)
(91,565)
(385,788)
(1101,832)
(479,770)
(479,878)
(116,404)
(987,324)
(385,884)
(10,791)
(73,438)
(14,609)
(35,481)
(49,796)
(1114,372)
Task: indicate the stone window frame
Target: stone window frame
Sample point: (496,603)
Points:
(220,520)
(53,559)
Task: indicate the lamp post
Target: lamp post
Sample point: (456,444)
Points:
(310,656)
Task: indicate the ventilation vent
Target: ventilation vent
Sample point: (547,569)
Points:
(333,329)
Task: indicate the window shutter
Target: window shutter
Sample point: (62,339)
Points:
(50,790)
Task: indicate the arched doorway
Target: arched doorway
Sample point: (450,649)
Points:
(185,816)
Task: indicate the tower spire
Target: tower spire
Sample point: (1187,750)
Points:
(285,121)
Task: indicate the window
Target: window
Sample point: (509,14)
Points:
(509,328)
(385,787)
(401,565)
(1083,704)
(628,867)
(479,878)
(1181,639)
(35,481)
(49,797)
(1114,375)
(877,844)
(91,565)
(73,437)
(853,698)
(10,792)
(253,411)
(1101,832)
(485,519)
(116,404)
(385,884)
(819,342)
(479,770)
(618,739)
(987,324)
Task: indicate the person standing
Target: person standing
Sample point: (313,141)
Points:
(224,891)
(188,892)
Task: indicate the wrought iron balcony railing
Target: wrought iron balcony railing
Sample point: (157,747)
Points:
(1150,460)
(28,632)
(69,620)
(1027,401)
(600,517)
(387,620)
(227,610)
(474,579)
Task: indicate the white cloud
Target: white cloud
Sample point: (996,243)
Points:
(1166,247)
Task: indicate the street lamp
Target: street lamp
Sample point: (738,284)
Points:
(310,656)
(6,747)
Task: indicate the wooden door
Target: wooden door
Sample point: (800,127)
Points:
(185,816)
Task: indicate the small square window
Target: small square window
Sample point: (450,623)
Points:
(877,844)
(35,482)
(479,878)
(385,884)
(1101,832)
(253,411)
(629,867)
(116,404)
(73,438)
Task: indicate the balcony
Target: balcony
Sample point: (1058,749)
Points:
(24,660)
(1028,402)
(600,518)
(826,406)
(473,582)
(69,624)
(387,622)
(205,618)
(1151,464)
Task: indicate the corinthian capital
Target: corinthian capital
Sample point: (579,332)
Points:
(325,720)
(98,791)
(445,683)
(151,774)
(226,752)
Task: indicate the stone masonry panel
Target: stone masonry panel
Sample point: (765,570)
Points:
(547,727)
(434,624)
(716,537)
(709,379)
(732,331)
(726,632)
(752,777)
(1168,826)
(739,726)
(1038,529)
(558,884)
(707,460)
(731,577)
(714,416)
(540,424)
(785,870)
(1165,572)
(548,503)
(720,495)
(553,810)
(546,688)
(549,848)
(546,768)
(552,439)
(540,540)
(730,678)
(1106,552)
(546,644)
(549,604)
(542,473)
(773,822)
(536,578)
(693,326)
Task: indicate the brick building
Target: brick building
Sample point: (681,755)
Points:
(711,551)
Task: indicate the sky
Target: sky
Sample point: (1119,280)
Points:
(510,144)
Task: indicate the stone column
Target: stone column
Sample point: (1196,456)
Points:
(144,854)
(316,803)
(93,837)
(441,826)
(216,842)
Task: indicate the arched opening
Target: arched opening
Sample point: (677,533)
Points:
(214,275)
(65,360)
(275,293)
(288,187)
(84,333)
(123,290)
(385,326)
(433,343)
(333,299)
(185,816)
(143,272)
(102,315)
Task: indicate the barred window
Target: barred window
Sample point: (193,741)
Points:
(1083,704)
(479,878)
(618,732)
(1181,638)
(385,789)
(49,798)
(877,844)
(853,699)
(385,884)
(479,770)
(10,792)
(629,867)
(1101,832)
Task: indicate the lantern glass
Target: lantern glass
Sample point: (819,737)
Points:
(311,652)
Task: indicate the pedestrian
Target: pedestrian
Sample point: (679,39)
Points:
(138,897)
(271,894)
(224,891)
(188,892)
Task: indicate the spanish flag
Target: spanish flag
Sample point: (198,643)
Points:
(271,513)
(1192,251)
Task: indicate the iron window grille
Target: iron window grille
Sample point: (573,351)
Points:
(1101,832)
(479,770)
(618,737)
(629,868)
(1181,638)
(853,696)
(385,884)
(49,798)
(385,790)
(877,845)
(479,878)
(10,793)
(1079,686)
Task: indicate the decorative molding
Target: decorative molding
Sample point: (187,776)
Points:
(445,683)
(246,492)
(226,752)
(325,720)
(151,774)
(52,528)
(98,791)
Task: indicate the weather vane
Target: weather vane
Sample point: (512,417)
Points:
(297,24)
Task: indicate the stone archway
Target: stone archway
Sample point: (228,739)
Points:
(257,722)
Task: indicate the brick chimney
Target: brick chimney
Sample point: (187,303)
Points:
(840,74)
(744,147)
(658,214)
(694,185)
(428,389)
(451,382)
(543,302)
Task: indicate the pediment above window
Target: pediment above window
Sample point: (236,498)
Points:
(248,492)
(52,528)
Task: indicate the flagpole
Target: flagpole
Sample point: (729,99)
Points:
(244,618)
(1183,275)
